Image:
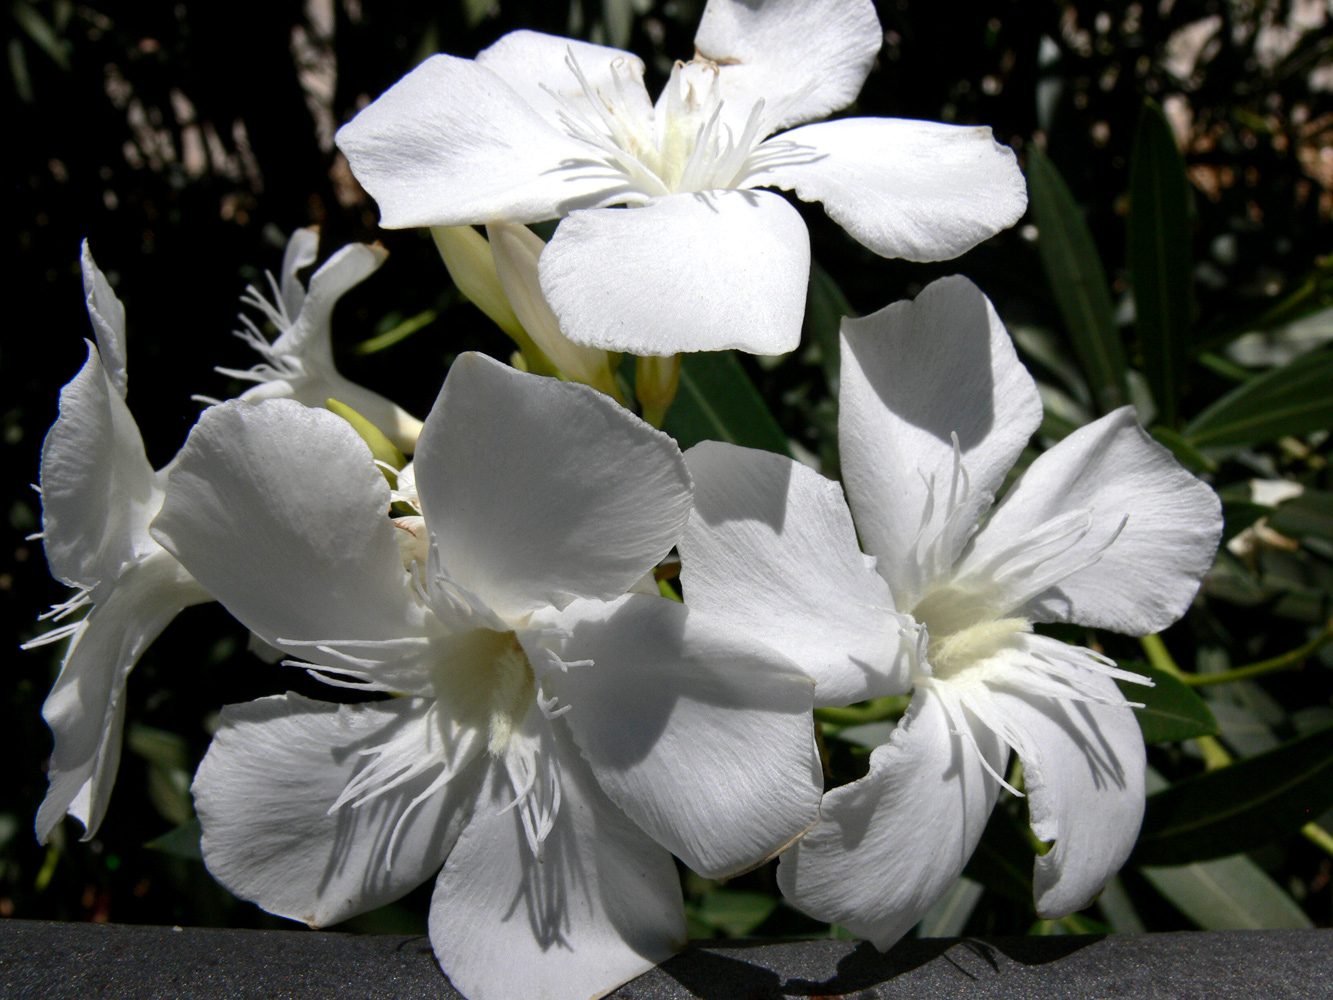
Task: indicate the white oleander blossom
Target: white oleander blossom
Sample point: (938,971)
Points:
(98,495)
(299,363)
(539,127)
(552,734)
(1105,529)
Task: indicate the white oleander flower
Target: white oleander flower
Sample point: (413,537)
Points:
(98,495)
(555,735)
(539,127)
(299,363)
(1105,530)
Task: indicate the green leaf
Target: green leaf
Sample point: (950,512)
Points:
(825,307)
(734,912)
(1003,859)
(1040,345)
(1186,454)
(1160,257)
(181,841)
(1118,909)
(1312,294)
(1237,515)
(717,401)
(1077,281)
(476,11)
(1293,399)
(41,32)
(1240,807)
(1171,711)
(160,747)
(1311,513)
(1228,894)
(950,914)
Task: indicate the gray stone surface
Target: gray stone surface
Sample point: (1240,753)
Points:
(41,960)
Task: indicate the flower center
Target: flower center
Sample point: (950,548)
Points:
(485,682)
(683,145)
(512,693)
(953,653)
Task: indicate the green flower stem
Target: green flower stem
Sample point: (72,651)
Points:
(1290,660)
(872,711)
(1155,649)
(1214,754)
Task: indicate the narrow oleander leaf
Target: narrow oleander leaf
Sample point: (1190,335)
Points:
(1308,295)
(1237,515)
(1227,894)
(41,32)
(950,914)
(1078,282)
(181,841)
(159,747)
(1294,399)
(825,307)
(1118,910)
(1160,257)
(1239,807)
(618,19)
(1311,513)
(476,11)
(717,401)
(1171,711)
(1040,345)
(1003,859)
(398,332)
(1186,454)
(732,911)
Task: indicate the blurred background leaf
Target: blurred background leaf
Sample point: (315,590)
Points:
(1160,258)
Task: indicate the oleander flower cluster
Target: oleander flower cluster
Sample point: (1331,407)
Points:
(520,706)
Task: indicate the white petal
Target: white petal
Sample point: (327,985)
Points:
(86,706)
(392,420)
(107,313)
(265,793)
(302,251)
(804,59)
(914,189)
(913,374)
(770,551)
(452,144)
(1148,576)
(1083,765)
(703,735)
(689,272)
(893,842)
(602,907)
(98,490)
(316,390)
(535,65)
(538,491)
(309,336)
(279,511)
(303,354)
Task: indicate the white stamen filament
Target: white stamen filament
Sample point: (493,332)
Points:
(685,147)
